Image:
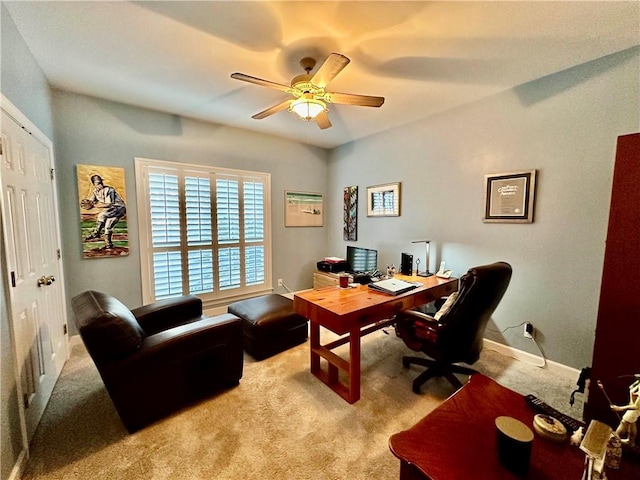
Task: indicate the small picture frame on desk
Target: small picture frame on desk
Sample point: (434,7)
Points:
(383,200)
(509,197)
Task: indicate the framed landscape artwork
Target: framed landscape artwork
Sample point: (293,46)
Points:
(303,209)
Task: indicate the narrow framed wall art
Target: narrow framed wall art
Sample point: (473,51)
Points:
(350,231)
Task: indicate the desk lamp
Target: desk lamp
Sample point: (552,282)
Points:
(426,272)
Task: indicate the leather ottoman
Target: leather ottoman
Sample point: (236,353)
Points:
(269,325)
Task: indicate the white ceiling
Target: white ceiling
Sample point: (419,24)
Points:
(423,57)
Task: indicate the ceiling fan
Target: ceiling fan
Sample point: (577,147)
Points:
(309,91)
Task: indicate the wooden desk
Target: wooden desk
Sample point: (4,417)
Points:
(356,312)
(458,441)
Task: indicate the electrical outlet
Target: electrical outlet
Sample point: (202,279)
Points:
(528,330)
(280,282)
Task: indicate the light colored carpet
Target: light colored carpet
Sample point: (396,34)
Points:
(279,423)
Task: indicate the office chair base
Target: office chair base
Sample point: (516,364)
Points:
(435,369)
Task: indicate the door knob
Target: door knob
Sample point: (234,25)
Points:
(43,280)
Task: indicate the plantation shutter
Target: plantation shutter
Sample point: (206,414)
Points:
(206,230)
(165,234)
(228,232)
(199,233)
(254,231)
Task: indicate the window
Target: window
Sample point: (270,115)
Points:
(203,231)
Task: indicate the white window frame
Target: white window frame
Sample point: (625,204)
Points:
(218,297)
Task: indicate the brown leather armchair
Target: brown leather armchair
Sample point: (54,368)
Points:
(158,358)
(455,333)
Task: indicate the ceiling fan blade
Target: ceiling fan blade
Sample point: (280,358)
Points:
(261,82)
(331,67)
(322,120)
(271,110)
(352,99)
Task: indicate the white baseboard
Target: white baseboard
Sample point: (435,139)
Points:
(19,467)
(553,367)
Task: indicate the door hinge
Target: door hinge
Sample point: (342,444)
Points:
(52,174)
(13,279)
(25,400)
(59,253)
(64,329)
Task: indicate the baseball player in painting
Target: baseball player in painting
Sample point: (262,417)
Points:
(112,206)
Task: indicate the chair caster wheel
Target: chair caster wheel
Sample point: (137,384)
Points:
(405,363)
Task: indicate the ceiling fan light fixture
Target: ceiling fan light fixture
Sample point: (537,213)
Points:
(310,96)
(307,108)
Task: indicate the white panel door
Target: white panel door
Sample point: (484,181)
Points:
(34,270)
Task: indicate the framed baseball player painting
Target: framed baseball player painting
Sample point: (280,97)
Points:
(103,211)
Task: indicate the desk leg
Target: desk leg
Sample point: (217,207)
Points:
(314,340)
(331,375)
(349,389)
(354,366)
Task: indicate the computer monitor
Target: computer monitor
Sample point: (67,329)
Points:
(362,259)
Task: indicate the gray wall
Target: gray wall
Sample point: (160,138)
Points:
(98,132)
(565,126)
(23,83)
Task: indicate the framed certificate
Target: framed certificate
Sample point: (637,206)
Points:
(509,197)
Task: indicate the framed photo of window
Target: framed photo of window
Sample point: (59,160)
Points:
(383,200)
(303,209)
(509,197)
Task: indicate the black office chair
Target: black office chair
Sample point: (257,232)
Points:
(455,333)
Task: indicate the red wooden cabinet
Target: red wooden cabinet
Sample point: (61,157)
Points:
(616,350)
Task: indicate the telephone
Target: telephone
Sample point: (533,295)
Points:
(442,273)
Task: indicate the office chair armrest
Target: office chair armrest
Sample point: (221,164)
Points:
(428,330)
(418,316)
(425,327)
(415,327)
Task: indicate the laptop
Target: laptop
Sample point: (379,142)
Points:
(392,286)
